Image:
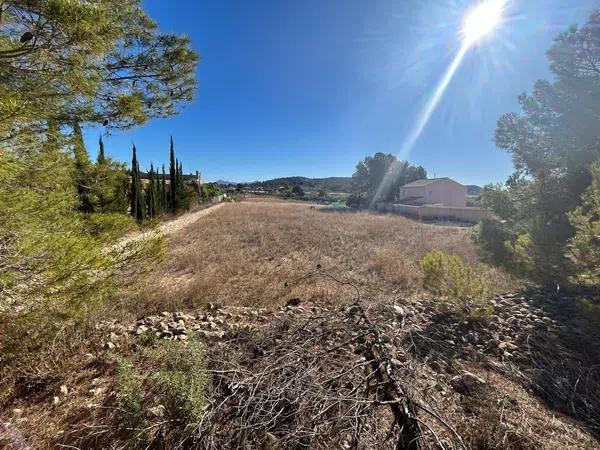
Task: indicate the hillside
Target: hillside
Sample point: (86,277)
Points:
(473,190)
(330,184)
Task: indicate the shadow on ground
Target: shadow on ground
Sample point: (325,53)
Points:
(546,342)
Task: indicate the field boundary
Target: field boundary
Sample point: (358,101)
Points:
(463,214)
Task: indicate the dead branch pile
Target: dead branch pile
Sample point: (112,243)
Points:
(327,381)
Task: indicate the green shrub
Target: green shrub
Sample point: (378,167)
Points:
(129,394)
(181,378)
(461,286)
(495,243)
(584,247)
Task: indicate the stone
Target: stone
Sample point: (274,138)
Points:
(17,412)
(141,329)
(467,383)
(505,345)
(96,391)
(64,390)
(395,362)
(109,346)
(293,302)
(399,311)
(157,411)
(271,442)
(55,400)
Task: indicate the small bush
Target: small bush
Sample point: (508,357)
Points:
(181,378)
(129,394)
(495,243)
(464,287)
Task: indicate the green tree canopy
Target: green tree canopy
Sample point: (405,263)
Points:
(99,61)
(553,142)
(382,175)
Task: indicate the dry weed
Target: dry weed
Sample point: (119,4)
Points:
(255,254)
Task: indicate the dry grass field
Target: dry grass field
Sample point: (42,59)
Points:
(261,253)
(161,368)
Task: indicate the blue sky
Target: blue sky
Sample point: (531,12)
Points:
(311,87)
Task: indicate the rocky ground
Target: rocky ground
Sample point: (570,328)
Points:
(534,344)
(317,376)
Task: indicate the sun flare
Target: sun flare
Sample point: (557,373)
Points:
(482,19)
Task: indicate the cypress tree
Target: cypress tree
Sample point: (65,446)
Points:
(82,170)
(180,176)
(163,189)
(157,199)
(133,195)
(172,179)
(101,157)
(137,204)
(176,182)
(151,207)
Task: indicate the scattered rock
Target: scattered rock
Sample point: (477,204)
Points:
(157,411)
(399,311)
(141,329)
(506,345)
(293,302)
(109,346)
(467,383)
(64,390)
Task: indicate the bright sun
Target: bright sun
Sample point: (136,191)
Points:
(482,19)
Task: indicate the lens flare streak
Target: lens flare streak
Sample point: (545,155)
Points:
(482,20)
(425,115)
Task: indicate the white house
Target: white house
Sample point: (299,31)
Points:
(435,191)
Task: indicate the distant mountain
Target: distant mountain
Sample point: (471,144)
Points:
(330,184)
(473,189)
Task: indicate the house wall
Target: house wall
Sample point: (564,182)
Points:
(416,191)
(466,214)
(447,193)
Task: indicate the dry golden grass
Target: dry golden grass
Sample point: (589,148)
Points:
(259,252)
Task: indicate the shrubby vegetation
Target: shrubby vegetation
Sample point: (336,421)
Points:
(546,209)
(177,383)
(584,246)
(462,288)
(65,65)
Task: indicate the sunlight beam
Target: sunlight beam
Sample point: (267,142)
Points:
(479,22)
(425,115)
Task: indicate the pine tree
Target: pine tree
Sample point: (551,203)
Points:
(80,46)
(101,159)
(172,178)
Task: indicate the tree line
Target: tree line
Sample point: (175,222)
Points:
(67,65)
(549,209)
(160,194)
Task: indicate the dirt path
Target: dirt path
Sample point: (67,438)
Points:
(171,226)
